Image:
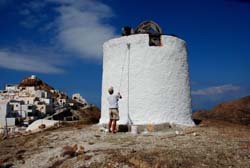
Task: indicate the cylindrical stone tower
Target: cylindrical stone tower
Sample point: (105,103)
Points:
(153,80)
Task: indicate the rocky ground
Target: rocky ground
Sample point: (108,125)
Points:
(210,144)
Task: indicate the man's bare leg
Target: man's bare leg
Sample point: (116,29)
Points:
(114,126)
(109,125)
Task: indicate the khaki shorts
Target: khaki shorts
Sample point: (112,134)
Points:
(114,114)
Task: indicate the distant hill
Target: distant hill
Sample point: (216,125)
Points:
(88,115)
(235,111)
(38,83)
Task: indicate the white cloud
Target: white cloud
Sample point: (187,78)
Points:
(216,90)
(24,62)
(78,28)
(81,27)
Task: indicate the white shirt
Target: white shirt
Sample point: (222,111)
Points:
(113,101)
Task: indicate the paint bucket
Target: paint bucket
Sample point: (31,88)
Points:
(134,129)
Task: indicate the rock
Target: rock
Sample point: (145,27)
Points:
(91,143)
(42,126)
(36,124)
(6,165)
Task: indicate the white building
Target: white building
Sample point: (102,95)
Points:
(77,97)
(28,99)
(28,109)
(1,95)
(17,107)
(30,90)
(44,108)
(33,77)
(5,109)
(62,101)
(153,80)
(9,87)
(47,101)
(42,94)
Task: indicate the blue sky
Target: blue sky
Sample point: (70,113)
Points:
(60,41)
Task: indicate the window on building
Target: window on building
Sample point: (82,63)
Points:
(154,40)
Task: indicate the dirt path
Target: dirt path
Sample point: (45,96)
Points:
(219,145)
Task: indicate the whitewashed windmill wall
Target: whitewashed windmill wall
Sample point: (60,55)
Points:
(154,82)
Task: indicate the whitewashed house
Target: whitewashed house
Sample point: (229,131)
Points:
(31,90)
(62,101)
(1,95)
(10,87)
(5,109)
(28,100)
(77,97)
(17,107)
(42,94)
(47,101)
(44,108)
(28,109)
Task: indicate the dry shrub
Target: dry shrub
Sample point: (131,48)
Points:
(139,163)
(244,145)
(69,150)
(72,150)
(79,126)
(80,150)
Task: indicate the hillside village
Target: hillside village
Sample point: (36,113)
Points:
(32,99)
